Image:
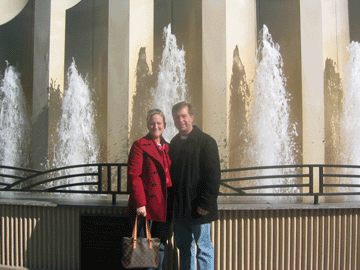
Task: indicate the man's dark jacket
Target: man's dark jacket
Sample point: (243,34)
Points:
(195,174)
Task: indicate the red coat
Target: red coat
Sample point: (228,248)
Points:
(147,180)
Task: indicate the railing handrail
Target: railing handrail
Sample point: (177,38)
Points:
(28,180)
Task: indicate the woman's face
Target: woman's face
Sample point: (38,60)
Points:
(156,126)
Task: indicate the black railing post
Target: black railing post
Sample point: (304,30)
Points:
(311,179)
(316,198)
(109,177)
(119,178)
(311,184)
(321,182)
(321,179)
(100,178)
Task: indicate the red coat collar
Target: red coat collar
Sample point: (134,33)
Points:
(148,145)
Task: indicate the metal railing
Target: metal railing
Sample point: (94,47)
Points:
(110,179)
(81,179)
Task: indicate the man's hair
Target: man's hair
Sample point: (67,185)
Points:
(177,107)
(152,112)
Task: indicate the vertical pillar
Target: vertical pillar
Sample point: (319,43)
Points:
(336,37)
(141,54)
(130,29)
(57,40)
(241,42)
(214,71)
(241,31)
(336,33)
(187,27)
(40,108)
(312,83)
(162,18)
(118,81)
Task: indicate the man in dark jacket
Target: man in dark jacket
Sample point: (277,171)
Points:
(195,173)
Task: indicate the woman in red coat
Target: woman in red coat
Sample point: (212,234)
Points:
(149,180)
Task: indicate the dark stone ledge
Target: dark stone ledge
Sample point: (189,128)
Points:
(229,203)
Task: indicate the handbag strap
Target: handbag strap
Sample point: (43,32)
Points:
(148,233)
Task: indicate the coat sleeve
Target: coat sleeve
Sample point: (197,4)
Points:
(209,175)
(134,176)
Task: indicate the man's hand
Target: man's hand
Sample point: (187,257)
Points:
(201,211)
(141,211)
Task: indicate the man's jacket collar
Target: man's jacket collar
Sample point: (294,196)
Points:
(194,133)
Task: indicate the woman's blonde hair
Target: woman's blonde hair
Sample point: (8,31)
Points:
(152,112)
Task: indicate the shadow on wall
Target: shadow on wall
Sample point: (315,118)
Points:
(52,242)
(333,98)
(240,100)
(142,99)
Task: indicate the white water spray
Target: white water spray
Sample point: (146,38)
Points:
(269,119)
(171,87)
(78,143)
(14,123)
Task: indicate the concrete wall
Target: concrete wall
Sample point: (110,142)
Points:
(42,235)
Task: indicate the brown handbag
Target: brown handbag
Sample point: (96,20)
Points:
(139,252)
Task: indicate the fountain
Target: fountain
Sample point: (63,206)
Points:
(14,123)
(171,86)
(78,143)
(270,129)
(349,123)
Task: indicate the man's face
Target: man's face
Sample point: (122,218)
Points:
(183,121)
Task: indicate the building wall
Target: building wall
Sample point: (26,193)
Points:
(48,237)
(109,41)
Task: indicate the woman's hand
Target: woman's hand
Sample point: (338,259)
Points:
(141,211)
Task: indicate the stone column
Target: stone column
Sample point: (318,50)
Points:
(228,42)
(312,83)
(40,106)
(57,40)
(336,37)
(187,26)
(241,42)
(214,72)
(336,34)
(130,30)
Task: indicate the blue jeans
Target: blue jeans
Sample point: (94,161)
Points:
(185,236)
